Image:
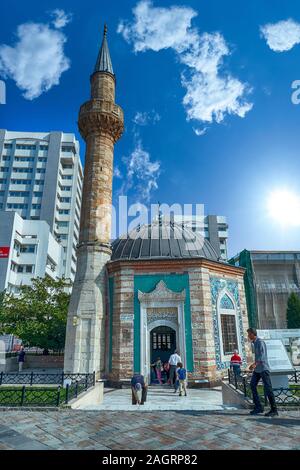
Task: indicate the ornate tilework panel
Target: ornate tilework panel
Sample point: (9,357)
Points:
(154,314)
(226,302)
(218,285)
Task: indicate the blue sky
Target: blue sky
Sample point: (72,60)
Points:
(249,146)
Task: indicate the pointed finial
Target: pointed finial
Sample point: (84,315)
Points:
(103,63)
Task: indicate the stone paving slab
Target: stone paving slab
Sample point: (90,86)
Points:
(177,430)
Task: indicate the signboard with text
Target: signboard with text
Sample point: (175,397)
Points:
(278,358)
(290,339)
(4,251)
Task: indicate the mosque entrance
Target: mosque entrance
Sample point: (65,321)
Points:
(162,345)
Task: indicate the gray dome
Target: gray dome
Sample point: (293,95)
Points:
(162,240)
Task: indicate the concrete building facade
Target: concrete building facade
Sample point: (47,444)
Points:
(270,277)
(41,179)
(27,250)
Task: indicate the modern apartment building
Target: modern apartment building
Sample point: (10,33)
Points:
(41,179)
(27,250)
(213,227)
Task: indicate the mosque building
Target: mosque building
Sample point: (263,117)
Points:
(160,288)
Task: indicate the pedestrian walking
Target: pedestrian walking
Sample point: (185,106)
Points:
(158,369)
(21,358)
(173,361)
(235,363)
(261,370)
(181,374)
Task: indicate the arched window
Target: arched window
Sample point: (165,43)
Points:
(228,325)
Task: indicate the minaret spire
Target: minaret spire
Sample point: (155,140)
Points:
(103,63)
(101,123)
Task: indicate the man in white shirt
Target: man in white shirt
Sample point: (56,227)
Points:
(173,361)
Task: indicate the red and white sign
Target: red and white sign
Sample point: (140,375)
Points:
(4,251)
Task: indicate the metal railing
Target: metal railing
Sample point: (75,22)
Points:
(32,378)
(30,396)
(283,396)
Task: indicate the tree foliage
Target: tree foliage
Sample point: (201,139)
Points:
(293,311)
(38,315)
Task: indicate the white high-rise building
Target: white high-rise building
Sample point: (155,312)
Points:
(41,179)
(213,227)
(27,250)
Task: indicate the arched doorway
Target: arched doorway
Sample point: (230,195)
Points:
(162,343)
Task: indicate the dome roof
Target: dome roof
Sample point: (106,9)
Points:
(162,240)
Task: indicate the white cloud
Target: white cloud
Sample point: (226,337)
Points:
(199,131)
(157,28)
(141,173)
(211,93)
(117,172)
(145,118)
(60,18)
(281,36)
(36,61)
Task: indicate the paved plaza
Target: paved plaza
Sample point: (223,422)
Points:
(165,430)
(163,398)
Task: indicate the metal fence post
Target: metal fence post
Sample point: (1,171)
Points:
(86,381)
(62,378)
(1,378)
(235,381)
(76,389)
(31,378)
(296,378)
(94,378)
(58,396)
(67,394)
(23,395)
(245,387)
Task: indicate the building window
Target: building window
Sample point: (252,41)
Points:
(18,193)
(7,146)
(42,159)
(24,159)
(41,170)
(19,181)
(39,182)
(64,211)
(5,158)
(229,334)
(25,147)
(228,325)
(36,206)
(22,170)
(37,193)
(4,169)
(3,181)
(62,224)
(17,206)
(68,149)
(43,147)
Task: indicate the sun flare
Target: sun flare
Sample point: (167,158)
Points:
(284,207)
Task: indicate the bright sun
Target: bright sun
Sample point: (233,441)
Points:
(284,207)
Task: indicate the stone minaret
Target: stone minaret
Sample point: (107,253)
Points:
(101,125)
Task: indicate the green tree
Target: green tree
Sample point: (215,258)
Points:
(293,311)
(38,315)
